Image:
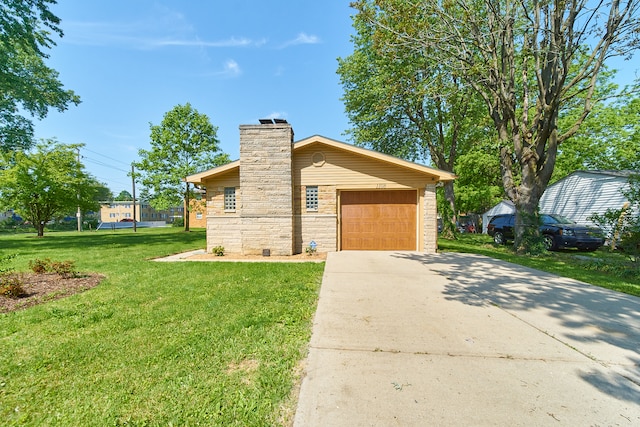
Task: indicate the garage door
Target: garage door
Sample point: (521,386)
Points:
(378,220)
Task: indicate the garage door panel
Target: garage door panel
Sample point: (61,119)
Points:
(379,220)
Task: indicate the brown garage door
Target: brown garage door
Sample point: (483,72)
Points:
(378,220)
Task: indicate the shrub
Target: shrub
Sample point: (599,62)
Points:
(40,266)
(11,286)
(218,251)
(178,222)
(65,269)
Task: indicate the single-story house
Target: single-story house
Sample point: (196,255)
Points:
(577,196)
(282,197)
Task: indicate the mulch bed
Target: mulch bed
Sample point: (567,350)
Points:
(44,287)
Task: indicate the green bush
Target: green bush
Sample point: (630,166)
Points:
(178,222)
(218,251)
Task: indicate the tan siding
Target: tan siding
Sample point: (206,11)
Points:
(215,193)
(349,170)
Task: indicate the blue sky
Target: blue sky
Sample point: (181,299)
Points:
(235,61)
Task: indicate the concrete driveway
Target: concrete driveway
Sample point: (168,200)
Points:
(410,339)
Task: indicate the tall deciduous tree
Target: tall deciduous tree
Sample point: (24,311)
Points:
(26,83)
(183,144)
(46,183)
(402,103)
(528,60)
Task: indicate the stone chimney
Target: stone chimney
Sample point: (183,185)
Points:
(266,188)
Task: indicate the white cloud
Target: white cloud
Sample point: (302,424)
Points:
(302,38)
(232,69)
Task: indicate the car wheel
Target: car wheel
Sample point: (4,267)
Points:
(549,242)
(498,237)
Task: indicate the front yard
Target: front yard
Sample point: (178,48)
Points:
(189,343)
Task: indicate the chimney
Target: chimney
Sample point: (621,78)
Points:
(266,187)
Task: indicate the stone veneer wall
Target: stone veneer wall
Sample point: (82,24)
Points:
(430,220)
(266,193)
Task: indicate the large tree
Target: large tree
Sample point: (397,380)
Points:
(402,103)
(528,60)
(46,183)
(183,144)
(27,84)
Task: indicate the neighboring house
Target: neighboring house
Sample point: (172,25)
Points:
(579,195)
(504,207)
(282,195)
(116,211)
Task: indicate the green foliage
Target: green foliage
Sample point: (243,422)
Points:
(66,269)
(46,183)
(405,104)
(479,185)
(178,222)
(623,225)
(26,83)
(183,144)
(123,196)
(609,139)
(5,261)
(218,250)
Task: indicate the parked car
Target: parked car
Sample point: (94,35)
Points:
(126,220)
(557,231)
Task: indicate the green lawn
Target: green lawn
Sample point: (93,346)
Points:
(188,343)
(601,268)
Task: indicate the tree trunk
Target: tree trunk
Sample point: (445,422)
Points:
(187,207)
(39,228)
(449,224)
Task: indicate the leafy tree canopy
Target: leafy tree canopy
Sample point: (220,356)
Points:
(183,144)
(26,82)
(124,196)
(403,103)
(528,61)
(46,183)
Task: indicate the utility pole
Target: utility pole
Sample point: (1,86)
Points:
(133,193)
(79,213)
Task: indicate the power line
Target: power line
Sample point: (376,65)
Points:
(100,163)
(106,157)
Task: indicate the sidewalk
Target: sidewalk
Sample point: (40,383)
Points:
(454,339)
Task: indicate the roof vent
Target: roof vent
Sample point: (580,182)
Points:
(273,121)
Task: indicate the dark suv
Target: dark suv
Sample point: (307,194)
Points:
(557,231)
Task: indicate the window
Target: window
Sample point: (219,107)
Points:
(312,198)
(198,215)
(230,199)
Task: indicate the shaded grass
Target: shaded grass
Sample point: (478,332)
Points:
(601,268)
(156,343)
